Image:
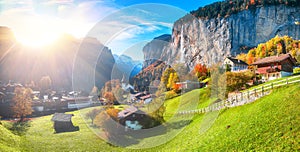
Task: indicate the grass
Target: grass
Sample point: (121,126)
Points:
(8,140)
(275,82)
(271,123)
(198,98)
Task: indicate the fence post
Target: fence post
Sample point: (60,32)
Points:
(287,81)
(255,92)
(248,94)
(262,90)
(242,96)
(272,85)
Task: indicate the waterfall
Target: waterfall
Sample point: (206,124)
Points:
(181,45)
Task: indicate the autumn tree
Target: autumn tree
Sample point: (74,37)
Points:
(237,80)
(108,121)
(182,70)
(157,109)
(92,114)
(94,91)
(218,82)
(21,103)
(275,46)
(201,71)
(110,98)
(45,83)
(173,78)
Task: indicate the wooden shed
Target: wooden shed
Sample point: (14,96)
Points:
(63,123)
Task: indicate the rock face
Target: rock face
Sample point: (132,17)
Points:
(127,66)
(154,49)
(209,41)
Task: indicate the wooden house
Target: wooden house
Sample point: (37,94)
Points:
(274,67)
(235,65)
(63,123)
(190,85)
(134,119)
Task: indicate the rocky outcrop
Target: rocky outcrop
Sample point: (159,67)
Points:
(154,49)
(210,40)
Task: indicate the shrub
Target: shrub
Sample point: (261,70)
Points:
(20,127)
(296,70)
(92,114)
(170,95)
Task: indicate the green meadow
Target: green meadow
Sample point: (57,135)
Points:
(271,123)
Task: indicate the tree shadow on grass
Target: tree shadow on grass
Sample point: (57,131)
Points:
(179,124)
(20,127)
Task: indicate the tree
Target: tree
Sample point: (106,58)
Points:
(110,98)
(94,91)
(157,109)
(181,69)
(21,103)
(45,83)
(92,114)
(201,71)
(108,121)
(227,68)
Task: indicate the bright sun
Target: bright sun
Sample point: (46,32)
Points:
(38,33)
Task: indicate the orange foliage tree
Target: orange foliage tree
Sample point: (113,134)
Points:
(201,71)
(21,103)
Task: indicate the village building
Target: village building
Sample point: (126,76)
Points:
(190,85)
(130,118)
(274,67)
(63,123)
(134,119)
(235,65)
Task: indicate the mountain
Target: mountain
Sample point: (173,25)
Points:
(154,49)
(7,39)
(127,66)
(65,60)
(210,40)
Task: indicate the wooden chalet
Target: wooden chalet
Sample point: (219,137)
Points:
(134,119)
(63,123)
(274,67)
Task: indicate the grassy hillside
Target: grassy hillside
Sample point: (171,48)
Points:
(271,123)
(8,141)
(199,97)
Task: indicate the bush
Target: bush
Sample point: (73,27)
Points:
(170,95)
(92,114)
(296,70)
(20,127)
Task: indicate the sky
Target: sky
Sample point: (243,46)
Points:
(125,26)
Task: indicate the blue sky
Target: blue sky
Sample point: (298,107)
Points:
(123,25)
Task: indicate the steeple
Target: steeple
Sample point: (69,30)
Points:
(123,79)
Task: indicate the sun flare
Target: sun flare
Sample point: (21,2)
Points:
(38,32)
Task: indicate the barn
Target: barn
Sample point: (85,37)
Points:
(63,123)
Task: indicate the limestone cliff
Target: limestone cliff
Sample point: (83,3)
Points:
(211,40)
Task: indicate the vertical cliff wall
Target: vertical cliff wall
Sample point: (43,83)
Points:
(211,40)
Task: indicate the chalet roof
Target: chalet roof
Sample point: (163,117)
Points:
(236,61)
(62,117)
(272,59)
(127,112)
(146,97)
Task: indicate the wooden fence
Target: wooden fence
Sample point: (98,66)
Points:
(245,97)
